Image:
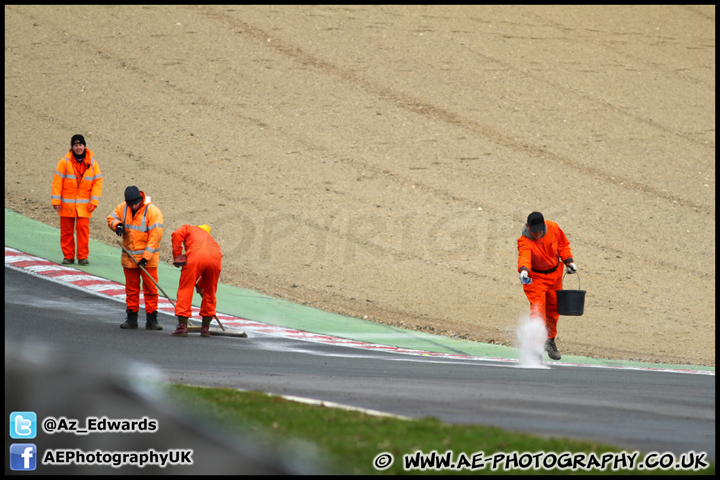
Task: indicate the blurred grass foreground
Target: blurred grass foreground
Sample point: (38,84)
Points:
(355,442)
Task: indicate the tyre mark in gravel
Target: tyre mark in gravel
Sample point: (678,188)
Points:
(697,11)
(636,60)
(417,106)
(400,99)
(395,178)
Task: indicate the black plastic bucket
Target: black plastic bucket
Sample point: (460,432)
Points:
(571,302)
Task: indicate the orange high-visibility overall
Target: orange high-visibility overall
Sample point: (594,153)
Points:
(544,259)
(76,188)
(143,232)
(204,262)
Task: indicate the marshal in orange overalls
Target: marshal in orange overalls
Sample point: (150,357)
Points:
(143,232)
(542,259)
(204,262)
(76,190)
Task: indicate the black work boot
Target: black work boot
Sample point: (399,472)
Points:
(552,349)
(130,320)
(151,321)
(205,329)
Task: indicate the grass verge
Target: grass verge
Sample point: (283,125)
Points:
(351,440)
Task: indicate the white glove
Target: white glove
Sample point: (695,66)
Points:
(571,268)
(524,278)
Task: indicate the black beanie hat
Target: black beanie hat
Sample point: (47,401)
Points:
(75,138)
(536,222)
(132,195)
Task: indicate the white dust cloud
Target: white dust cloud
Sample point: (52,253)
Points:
(531,336)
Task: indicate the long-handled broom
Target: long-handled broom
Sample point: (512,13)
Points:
(191,328)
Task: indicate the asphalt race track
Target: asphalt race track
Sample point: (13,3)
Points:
(633,409)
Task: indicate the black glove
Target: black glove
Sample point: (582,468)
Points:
(142,262)
(119,229)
